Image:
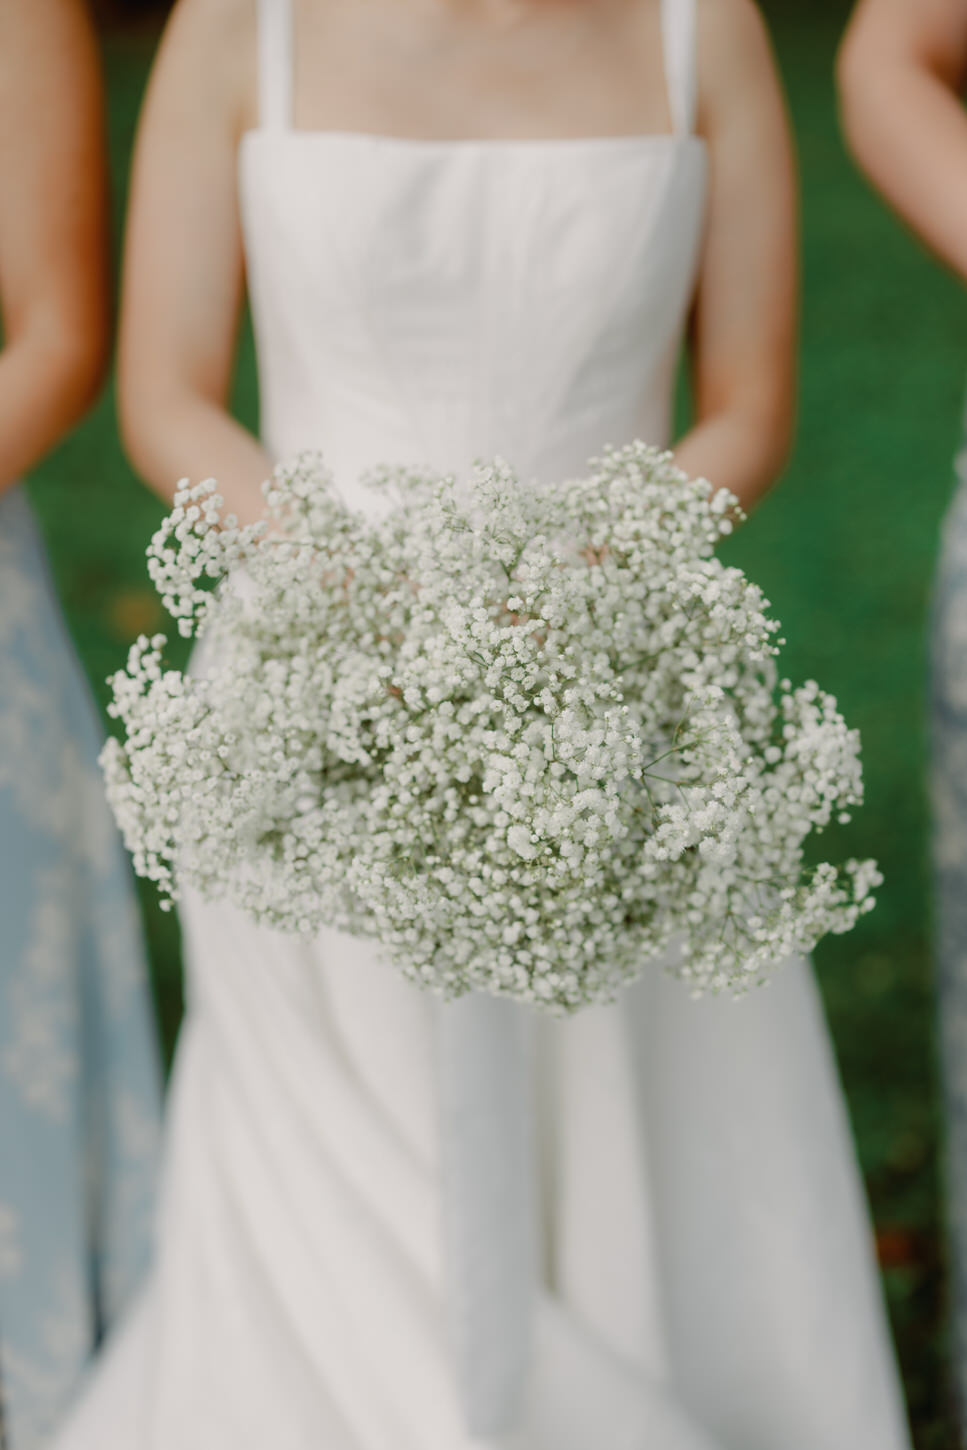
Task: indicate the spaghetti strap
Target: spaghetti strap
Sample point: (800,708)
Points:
(275,64)
(680,42)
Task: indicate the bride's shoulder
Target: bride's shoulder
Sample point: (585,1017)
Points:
(737,25)
(224,16)
(219,31)
(212,44)
(734,53)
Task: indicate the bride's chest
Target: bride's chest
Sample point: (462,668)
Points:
(475,240)
(511,69)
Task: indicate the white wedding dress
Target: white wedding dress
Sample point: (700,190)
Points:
(705,1277)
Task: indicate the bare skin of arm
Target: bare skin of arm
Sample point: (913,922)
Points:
(745,323)
(53,235)
(184,266)
(901,70)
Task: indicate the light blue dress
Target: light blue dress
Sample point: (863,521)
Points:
(79,1077)
(949,789)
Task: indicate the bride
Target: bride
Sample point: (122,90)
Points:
(469,227)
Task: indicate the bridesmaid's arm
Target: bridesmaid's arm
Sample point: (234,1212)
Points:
(745,322)
(53,242)
(183,266)
(901,69)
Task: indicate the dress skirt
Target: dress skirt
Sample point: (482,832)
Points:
(79,1079)
(706,1276)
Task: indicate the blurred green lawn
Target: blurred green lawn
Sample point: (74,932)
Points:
(845,550)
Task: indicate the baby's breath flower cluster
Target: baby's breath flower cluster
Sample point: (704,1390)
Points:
(526,736)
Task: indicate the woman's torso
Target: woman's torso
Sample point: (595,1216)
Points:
(435,301)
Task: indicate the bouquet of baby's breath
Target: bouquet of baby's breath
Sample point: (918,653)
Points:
(526,736)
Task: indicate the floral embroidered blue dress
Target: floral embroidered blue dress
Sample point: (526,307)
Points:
(79,1080)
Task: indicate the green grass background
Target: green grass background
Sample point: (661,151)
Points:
(845,549)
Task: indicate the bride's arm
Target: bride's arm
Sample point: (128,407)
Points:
(183,267)
(745,321)
(53,290)
(901,70)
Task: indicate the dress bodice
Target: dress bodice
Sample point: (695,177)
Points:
(434,302)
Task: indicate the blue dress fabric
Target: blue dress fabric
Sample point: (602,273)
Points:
(79,1070)
(949,791)
(948,731)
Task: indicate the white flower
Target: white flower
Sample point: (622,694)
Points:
(525,735)
(519,840)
